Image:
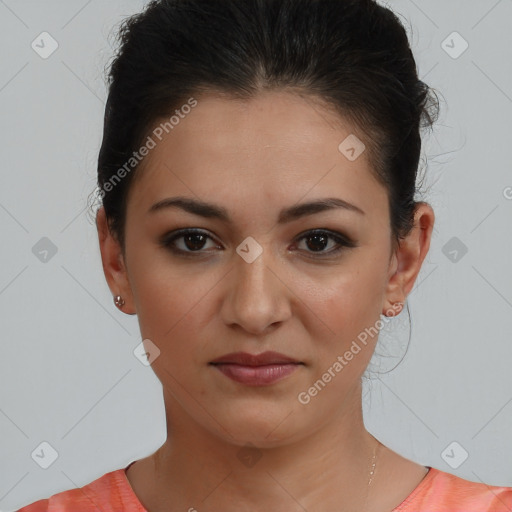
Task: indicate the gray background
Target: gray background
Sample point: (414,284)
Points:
(68,373)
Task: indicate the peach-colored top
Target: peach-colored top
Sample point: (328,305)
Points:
(437,492)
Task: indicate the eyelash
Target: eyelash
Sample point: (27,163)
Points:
(342,241)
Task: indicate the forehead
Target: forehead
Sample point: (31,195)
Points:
(276,148)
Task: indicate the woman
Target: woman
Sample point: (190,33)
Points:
(257,176)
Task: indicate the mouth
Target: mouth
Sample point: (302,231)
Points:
(256,370)
(246,359)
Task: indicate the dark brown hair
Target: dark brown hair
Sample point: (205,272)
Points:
(354,55)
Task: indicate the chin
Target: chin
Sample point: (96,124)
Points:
(261,429)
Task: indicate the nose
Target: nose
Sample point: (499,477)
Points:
(257,297)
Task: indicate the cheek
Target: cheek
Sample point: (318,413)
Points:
(167,306)
(173,306)
(350,307)
(169,314)
(353,298)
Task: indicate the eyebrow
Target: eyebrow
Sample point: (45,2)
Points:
(212,211)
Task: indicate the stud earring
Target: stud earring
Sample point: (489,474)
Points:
(119,301)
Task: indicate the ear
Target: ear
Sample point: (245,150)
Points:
(114,266)
(406,263)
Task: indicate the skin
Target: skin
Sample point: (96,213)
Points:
(254,158)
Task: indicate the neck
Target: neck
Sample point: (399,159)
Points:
(328,469)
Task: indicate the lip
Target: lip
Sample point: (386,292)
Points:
(246,359)
(256,369)
(257,375)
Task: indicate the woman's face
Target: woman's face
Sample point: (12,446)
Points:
(253,280)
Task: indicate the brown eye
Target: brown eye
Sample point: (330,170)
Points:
(186,242)
(193,241)
(317,241)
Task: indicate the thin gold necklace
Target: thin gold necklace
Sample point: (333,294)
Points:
(372,472)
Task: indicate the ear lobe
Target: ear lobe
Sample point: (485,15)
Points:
(113,263)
